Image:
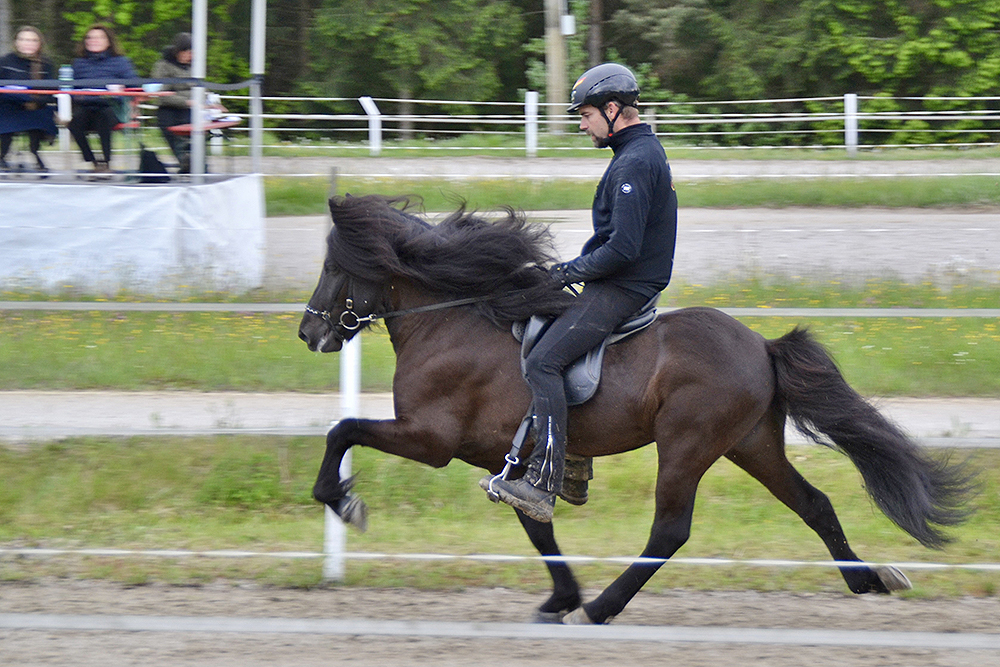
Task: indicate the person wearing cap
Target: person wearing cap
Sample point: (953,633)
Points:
(624,266)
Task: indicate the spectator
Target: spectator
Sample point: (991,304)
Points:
(176,109)
(31,114)
(99,58)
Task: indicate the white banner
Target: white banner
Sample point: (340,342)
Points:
(153,239)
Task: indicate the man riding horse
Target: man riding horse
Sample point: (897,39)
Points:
(624,265)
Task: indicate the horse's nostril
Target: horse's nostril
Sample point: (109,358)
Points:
(303,336)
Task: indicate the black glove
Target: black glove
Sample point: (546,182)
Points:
(558,273)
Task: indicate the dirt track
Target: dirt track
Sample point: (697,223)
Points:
(679,608)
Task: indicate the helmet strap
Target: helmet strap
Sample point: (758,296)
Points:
(611,122)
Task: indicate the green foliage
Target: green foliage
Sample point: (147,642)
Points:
(452,49)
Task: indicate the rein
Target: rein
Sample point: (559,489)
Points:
(351,321)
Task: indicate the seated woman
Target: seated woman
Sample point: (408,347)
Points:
(99,58)
(31,114)
(176,109)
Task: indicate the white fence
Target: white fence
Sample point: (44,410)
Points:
(849,122)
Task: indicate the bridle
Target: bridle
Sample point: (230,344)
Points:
(351,321)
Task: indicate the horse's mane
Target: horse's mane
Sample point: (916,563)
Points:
(375,238)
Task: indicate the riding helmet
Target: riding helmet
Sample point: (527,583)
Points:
(602,84)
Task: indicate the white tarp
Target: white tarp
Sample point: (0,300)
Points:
(159,239)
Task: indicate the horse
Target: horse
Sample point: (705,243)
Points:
(696,382)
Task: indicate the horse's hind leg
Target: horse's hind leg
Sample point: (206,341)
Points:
(762,455)
(565,589)
(671,529)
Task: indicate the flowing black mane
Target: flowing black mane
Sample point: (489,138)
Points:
(374,238)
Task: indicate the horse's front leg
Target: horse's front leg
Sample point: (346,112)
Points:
(565,589)
(329,489)
(408,438)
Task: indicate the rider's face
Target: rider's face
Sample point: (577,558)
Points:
(594,124)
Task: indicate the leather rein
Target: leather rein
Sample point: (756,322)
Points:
(351,321)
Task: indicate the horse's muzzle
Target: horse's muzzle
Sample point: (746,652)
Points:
(319,336)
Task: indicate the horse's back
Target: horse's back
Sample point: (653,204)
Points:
(691,366)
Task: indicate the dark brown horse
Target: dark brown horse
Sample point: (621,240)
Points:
(697,383)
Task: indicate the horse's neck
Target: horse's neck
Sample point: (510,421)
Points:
(443,325)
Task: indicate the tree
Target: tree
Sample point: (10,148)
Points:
(448,49)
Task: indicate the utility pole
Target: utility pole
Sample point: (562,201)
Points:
(595,36)
(555,63)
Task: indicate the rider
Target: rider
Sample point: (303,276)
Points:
(624,265)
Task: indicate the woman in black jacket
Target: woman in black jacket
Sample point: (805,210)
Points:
(31,114)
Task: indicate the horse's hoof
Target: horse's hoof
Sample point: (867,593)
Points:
(577,617)
(353,511)
(549,616)
(892,578)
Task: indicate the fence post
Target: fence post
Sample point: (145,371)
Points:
(374,124)
(851,123)
(334,530)
(531,122)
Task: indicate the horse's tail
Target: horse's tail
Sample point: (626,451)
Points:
(917,492)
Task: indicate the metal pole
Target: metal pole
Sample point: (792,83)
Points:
(531,122)
(374,125)
(851,123)
(199,42)
(334,530)
(258,30)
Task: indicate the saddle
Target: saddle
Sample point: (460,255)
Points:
(582,377)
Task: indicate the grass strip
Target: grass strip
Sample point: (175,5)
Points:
(261,352)
(246,493)
(308,196)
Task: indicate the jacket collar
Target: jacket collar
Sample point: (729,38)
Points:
(622,137)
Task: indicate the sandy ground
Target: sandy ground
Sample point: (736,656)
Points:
(678,608)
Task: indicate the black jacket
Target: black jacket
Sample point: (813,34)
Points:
(15,66)
(634,216)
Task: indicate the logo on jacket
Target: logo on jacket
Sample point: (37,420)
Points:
(626,188)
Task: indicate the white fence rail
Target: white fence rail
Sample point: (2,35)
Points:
(848,122)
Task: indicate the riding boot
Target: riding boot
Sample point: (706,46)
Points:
(535,492)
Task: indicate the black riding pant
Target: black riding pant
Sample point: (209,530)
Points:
(598,310)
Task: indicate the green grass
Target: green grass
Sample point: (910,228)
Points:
(261,352)
(248,493)
(308,196)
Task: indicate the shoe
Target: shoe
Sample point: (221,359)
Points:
(100,172)
(521,495)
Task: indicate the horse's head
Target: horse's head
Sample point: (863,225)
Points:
(339,308)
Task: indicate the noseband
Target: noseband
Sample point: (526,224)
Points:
(351,321)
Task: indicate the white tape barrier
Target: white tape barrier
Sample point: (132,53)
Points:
(487,558)
(518,631)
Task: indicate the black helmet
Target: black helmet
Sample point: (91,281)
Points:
(602,84)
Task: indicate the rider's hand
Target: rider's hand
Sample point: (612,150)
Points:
(558,274)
